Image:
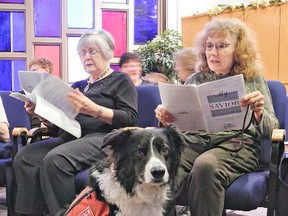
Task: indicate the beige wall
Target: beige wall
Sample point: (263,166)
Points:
(271,27)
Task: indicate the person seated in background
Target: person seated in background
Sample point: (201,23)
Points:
(5,145)
(107,100)
(130,63)
(184,63)
(41,65)
(211,162)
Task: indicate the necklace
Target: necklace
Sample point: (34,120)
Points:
(87,87)
(101,75)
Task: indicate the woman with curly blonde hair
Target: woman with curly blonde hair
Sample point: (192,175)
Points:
(211,162)
(246,56)
(41,64)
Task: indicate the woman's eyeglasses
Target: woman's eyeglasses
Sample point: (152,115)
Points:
(91,52)
(218,46)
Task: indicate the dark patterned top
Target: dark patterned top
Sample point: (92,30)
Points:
(117,92)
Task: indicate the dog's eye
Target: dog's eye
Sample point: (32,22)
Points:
(165,151)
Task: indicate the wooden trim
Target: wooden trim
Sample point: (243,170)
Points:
(13,7)
(162,15)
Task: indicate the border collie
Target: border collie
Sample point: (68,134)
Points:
(139,173)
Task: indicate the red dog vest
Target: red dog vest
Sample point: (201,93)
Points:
(86,204)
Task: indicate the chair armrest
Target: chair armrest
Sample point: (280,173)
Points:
(39,130)
(18,133)
(278,135)
(39,133)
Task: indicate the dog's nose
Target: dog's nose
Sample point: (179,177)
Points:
(157,172)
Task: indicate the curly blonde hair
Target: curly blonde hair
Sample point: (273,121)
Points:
(246,55)
(43,63)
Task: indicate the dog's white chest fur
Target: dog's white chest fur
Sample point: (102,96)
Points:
(147,200)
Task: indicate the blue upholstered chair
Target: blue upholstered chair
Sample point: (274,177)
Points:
(260,188)
(148,99)
(17,117)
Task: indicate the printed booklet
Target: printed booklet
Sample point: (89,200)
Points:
(210,107)
(49,93)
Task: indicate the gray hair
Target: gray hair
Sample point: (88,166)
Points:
(102,38)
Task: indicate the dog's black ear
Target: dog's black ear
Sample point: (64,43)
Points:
(115,137)
(119,136)
(176,138)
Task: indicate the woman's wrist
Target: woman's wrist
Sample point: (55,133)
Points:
(100,112)
(258,116)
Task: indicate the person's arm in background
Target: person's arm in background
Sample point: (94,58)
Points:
(4,125)
(4,132)
(30,108)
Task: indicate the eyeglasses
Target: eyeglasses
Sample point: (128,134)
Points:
(91,52)
(218,46)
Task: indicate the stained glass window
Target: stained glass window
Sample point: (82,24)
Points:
(80,15)
(116,23)
(145,20)
(75,68)
(5,32)
(28,32)
(18,32)
(12,22)
(52,53)
(47,22)
(9,69)
(17,65)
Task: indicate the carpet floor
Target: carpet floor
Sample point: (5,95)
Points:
(257,212)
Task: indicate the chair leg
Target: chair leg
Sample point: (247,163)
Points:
(10,191)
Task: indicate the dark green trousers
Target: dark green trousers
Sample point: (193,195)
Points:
(208,165)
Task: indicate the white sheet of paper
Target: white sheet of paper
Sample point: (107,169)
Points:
(49,93)
(211,107)
(57,117)
(21,97)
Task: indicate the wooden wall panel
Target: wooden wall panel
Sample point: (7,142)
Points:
(265,23)
(190,27)
(270,25)
(283,46)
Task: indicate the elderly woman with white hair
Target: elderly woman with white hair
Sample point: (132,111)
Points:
(106,100)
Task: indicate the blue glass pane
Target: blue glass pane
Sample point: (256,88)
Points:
(83,9)
(6,75)
(145,20)
(9,74)
(5,39)
(17,65)
(12,1)
(47,18)
(18,32)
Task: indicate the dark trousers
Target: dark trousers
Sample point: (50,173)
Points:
(207,169)
(45,172)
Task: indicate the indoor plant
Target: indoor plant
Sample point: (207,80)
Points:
(157,54)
